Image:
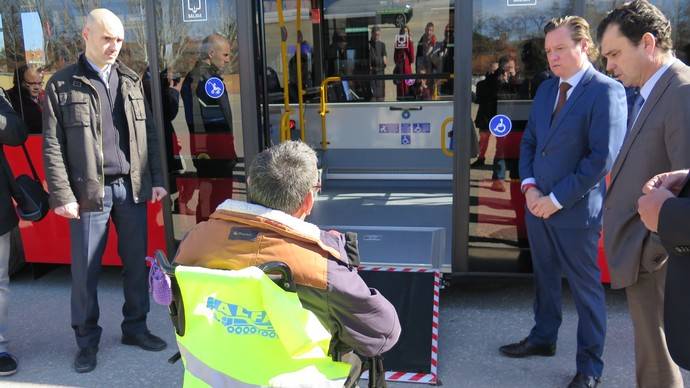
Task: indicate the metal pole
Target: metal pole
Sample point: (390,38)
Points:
(157,110)
(461,134)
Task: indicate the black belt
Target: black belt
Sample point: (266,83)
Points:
(113,178)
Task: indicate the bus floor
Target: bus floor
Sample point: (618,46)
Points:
(387,210)
(478,314)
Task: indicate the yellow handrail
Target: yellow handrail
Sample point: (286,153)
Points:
(444,147)
(300,102)
(284,131)
(324,111)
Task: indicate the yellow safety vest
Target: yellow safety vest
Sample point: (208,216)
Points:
(242,330)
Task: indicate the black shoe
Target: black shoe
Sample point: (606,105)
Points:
(146,341)
(478,163)
(583,381)
(8,364)
(524,348)
(86,359)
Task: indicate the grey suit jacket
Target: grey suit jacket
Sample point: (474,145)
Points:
(658,142)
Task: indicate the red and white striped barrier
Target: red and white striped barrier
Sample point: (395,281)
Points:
(428,378)
(394,269)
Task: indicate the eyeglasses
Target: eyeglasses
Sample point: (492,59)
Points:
(317,188)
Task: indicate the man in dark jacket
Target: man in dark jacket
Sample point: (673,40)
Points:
(26,96)
(282,184)
(209,119)
(665,210)
(102,161)
(13,133)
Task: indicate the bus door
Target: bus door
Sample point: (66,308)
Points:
(380,127)
(199,73)
(386,165)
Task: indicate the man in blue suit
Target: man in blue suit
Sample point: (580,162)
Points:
(574,132)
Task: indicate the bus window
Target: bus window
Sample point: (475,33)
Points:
(389,37)
(508,64)
(308,51)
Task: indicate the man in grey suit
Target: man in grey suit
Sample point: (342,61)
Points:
(636,42)
(665,209)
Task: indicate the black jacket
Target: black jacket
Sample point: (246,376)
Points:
(28,109)
(674,231)
(13,133)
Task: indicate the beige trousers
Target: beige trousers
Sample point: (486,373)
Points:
(653,364)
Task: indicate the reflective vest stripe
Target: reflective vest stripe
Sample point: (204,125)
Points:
(209,375)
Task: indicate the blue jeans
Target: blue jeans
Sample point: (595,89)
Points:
(89,235)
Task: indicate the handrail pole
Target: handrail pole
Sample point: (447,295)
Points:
(284,132)
(300,102)
(444,147)
(323,111)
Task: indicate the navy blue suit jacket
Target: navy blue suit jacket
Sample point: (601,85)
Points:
(570,156)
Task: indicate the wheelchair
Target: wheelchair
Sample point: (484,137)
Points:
(244,324)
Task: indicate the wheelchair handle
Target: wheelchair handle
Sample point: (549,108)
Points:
(280,273)
(163,263)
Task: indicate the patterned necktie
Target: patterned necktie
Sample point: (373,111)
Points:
(562,97)
(637,106)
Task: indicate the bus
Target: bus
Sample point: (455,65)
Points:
(396,96)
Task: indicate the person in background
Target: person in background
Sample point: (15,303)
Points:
(403,56)
(428,51)
(422,89)
(306,58)
(378,59)
(27,96)
(13,132)
(447,53)
(209,119)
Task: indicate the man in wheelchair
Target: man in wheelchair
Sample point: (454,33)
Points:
(282,183)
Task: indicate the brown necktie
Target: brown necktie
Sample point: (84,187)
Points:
(562,96)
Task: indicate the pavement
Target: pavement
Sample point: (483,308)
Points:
(478,314)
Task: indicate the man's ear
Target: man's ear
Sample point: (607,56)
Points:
(307,204)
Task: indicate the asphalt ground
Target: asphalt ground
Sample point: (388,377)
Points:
(478,314)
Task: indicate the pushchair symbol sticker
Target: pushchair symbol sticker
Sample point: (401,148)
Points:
(500,125)
(214,87)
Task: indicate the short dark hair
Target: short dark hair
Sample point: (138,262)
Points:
(636,18)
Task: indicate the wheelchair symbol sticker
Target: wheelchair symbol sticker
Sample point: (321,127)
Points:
(500,125)
(405,139)
(214,87)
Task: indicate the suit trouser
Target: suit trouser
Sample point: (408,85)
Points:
(573,252)
(653,364)
(89,235)
(5,242)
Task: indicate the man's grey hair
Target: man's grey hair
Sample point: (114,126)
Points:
(280,177)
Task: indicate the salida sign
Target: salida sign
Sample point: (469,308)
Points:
(194,11)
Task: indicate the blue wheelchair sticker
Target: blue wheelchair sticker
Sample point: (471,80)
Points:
(500,125)
(214,87)
(405,139)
